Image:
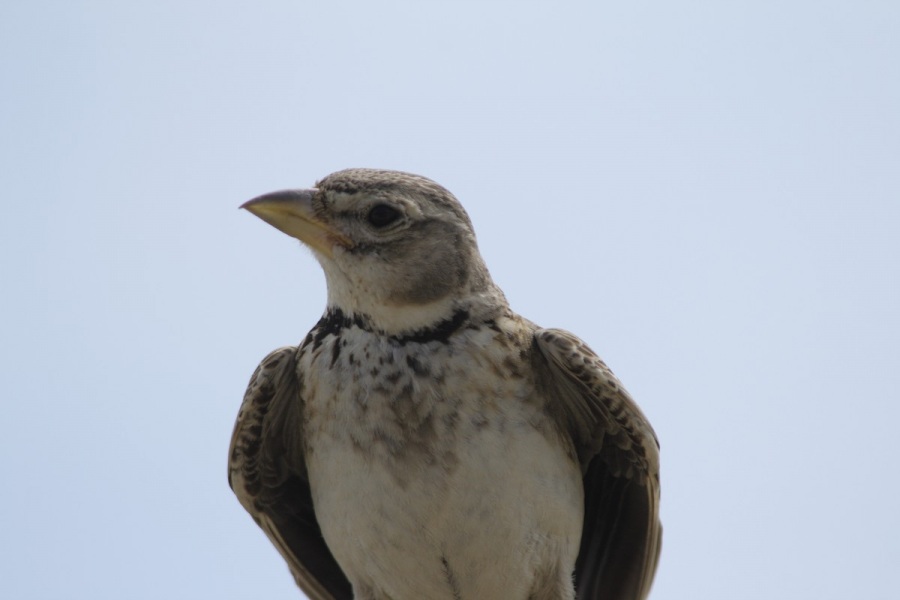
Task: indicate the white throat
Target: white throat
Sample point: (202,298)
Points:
(365,298)
(397,320)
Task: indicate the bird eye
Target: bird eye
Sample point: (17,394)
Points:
(382,215)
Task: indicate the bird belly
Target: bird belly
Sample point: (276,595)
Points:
(458,495)
(482,532)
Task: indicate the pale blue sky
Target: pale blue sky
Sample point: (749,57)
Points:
(707,192)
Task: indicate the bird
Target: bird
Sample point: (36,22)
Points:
(424,441)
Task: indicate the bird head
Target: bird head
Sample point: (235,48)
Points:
(397,249)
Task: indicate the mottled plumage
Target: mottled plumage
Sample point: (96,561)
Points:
(424,441)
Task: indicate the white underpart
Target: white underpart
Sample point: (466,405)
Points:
(363,292)
(506,508)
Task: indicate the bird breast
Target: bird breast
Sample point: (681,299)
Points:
(436,459)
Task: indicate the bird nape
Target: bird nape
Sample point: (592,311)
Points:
(425,441)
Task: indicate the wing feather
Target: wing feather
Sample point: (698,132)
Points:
(619,454)
(267,472)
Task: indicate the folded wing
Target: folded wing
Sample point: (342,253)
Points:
(619,455)
(267,472)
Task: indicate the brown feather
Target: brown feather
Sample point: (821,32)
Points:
(619,453)
(268,475)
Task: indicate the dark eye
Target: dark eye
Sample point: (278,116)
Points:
(382,215)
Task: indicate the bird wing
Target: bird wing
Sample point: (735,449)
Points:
(267,472)
(619,455)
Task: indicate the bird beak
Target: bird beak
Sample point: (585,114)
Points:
(291,211)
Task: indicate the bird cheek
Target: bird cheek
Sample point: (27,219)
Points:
(429,282)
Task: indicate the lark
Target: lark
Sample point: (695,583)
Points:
(426,442)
